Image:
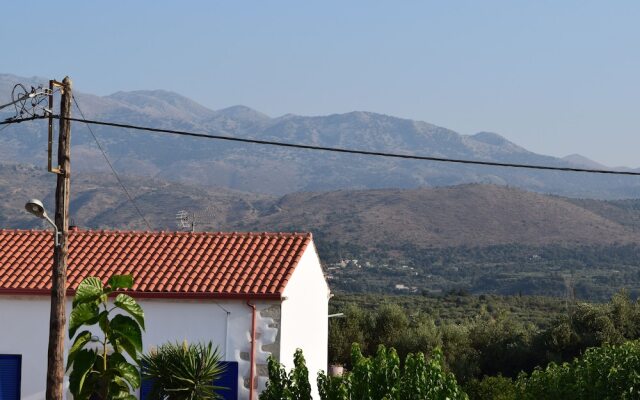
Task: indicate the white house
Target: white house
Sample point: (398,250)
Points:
(252,294)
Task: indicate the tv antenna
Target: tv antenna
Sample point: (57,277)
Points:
(187,220)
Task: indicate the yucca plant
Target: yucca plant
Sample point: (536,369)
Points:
(183,371)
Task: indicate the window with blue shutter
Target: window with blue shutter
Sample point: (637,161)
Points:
(10,374)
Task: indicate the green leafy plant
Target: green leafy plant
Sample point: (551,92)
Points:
(333,387)
(99,368)
(382,378)
(607,372)
(492,388)
(292,386)
(372,378)
(183,372)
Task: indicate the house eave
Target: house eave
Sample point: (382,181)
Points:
(158,295)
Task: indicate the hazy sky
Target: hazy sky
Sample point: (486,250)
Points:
(556,77)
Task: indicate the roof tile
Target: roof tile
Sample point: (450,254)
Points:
(212,264)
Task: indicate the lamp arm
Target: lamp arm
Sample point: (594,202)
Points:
(56,237)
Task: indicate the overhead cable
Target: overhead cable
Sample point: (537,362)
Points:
(104,154)
(338,149)
(352,151)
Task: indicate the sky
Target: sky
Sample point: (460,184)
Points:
(556,77)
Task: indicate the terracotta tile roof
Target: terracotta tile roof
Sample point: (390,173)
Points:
(164,264)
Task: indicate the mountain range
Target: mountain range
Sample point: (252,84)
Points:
(278,171)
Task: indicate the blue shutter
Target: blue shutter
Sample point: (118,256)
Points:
(228,380)
(10,374)
(145,388)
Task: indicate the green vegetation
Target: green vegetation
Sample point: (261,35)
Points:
(602,373)
(484,342)
(292,386)
(103,372)
(183,372)
(458,306)
(609,372)
(380,377)
(591,273)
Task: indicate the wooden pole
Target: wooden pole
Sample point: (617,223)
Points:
(57,318)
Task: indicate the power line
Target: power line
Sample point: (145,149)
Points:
(12,120)
(351,151)
(337,149)
(14,102)
(124,189)
(26,96)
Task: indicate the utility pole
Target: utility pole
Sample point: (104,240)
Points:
(57,318)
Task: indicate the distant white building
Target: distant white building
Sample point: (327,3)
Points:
(251,294)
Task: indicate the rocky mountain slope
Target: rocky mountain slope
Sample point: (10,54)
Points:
(390,219)
(468,215)
(271,170)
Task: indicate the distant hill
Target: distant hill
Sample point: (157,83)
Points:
(583,162)
(468,215)
(278,171)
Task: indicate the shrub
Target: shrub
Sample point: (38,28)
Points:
(492,388)
(608,372)
(382,378)
(292,386)
(183,372)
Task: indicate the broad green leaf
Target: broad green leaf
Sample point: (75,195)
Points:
(120,282)
(116,358)
(126,329)
(121,368)
(82,366)
(128,304)
(82,314)
(89,290)
(127,346)
(103,322)
(118,388)
(128,372)
(83,338)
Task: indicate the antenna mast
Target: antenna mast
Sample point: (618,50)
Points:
(187,221)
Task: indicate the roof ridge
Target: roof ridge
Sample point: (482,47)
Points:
(161,232)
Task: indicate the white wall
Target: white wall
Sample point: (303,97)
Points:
(24,327)
(25,330)
(304,316)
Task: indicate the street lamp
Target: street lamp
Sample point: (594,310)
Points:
(35,207)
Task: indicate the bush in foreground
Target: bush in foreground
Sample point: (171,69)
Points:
(183,372)
(607,372)
(602,373)
(380,377)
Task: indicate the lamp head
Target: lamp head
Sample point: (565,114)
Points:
(35,207)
